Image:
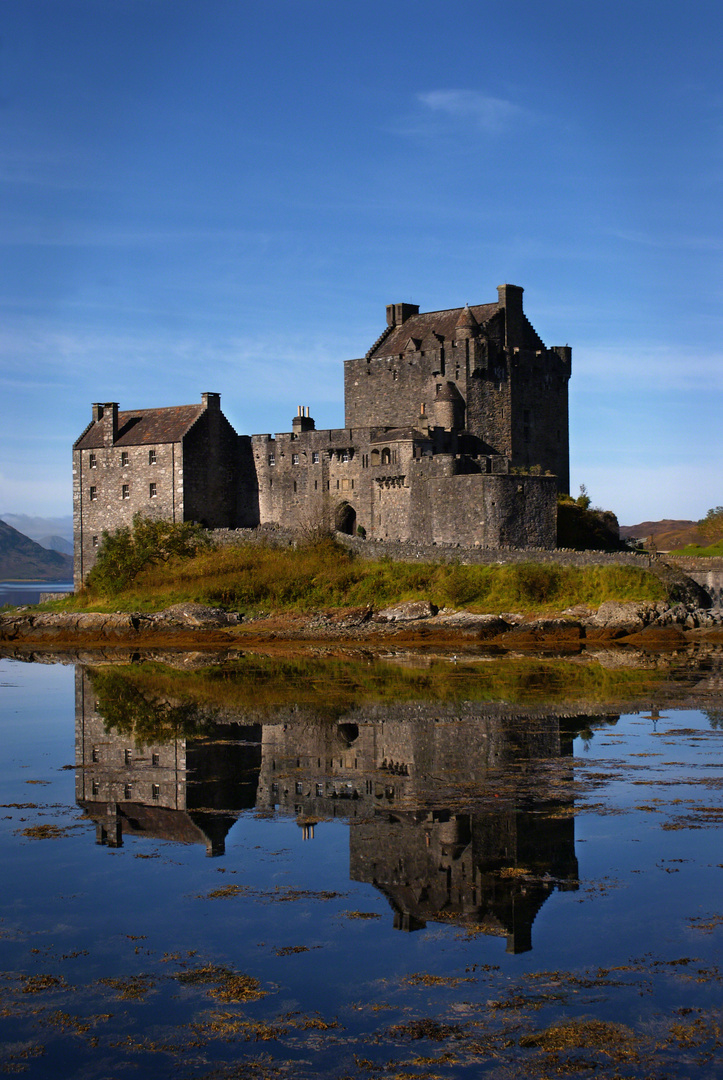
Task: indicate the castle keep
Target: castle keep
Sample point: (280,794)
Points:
(456,431)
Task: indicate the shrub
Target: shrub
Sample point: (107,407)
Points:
(124,553)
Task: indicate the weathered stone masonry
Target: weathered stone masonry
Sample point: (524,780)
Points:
(456,433)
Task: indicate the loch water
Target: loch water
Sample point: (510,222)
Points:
(225,867)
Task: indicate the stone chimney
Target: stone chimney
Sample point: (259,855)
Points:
(302,421)
(106,414)
(211,401)
(510,298)
(399,313)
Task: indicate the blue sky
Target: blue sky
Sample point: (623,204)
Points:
(225,195)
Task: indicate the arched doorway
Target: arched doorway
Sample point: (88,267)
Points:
(345,519)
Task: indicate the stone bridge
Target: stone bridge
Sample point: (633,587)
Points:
(707,572)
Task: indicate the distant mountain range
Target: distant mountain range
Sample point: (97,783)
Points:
(21,559)
(41,529)
(667,535)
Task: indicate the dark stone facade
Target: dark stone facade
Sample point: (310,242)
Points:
(456,433)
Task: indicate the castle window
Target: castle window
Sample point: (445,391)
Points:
(127,756)
(272,459)
(95,788)
(125,492)
(386,456)
(127,791)
(155,760)
(152,491)
(294,486)
(151,457)
(319,789)
(337,485)
(294,459)
(96,754)
(124,459)
(92,461)
(375,458)
(155,792)
(298,788)
(315,457)
(345,455)
(95,541)
(93,494)
(316,484)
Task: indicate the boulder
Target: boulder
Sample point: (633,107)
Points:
(406,612)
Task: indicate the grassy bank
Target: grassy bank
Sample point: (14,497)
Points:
(320,576)
(712,551)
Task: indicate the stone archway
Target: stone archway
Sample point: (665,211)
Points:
(345,519)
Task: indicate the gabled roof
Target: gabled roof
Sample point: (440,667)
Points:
(441,323)
(145,426)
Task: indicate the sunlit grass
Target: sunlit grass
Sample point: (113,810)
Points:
(255,578)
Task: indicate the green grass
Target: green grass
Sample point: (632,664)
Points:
(713,550)
(255,578)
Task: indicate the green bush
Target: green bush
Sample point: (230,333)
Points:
(124,553)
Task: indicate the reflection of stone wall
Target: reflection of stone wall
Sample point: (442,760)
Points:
(183,790)
(397,770)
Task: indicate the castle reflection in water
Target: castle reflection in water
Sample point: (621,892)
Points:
(459,813)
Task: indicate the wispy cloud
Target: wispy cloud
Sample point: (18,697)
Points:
(486,113)
(437,113)
(666,241)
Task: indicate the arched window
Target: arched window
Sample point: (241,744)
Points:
(375,458)
(386,456)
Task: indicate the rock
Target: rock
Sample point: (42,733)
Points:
(626,618)
(196,615)
(406,612)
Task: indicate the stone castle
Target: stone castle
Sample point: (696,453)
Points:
(456,432)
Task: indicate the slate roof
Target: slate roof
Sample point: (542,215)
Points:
(443,323)
(145,426)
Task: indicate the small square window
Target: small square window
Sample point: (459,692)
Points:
(92,461)
(294,459)
(272,459)
(151,491)
(95,541)
(124,459)
(93,494)
(125,492)
(155,792)
(315,457)
(151,457)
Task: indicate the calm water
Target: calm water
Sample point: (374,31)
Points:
(27,592)
(359,870)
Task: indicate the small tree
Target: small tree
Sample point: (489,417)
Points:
(124,553)
(712,524)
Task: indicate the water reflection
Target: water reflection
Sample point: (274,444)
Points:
(458,812)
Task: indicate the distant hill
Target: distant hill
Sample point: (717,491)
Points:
(21,559)
(54,543)
(666,535)
(38,528)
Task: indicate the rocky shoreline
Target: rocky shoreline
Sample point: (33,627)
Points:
(657,625)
